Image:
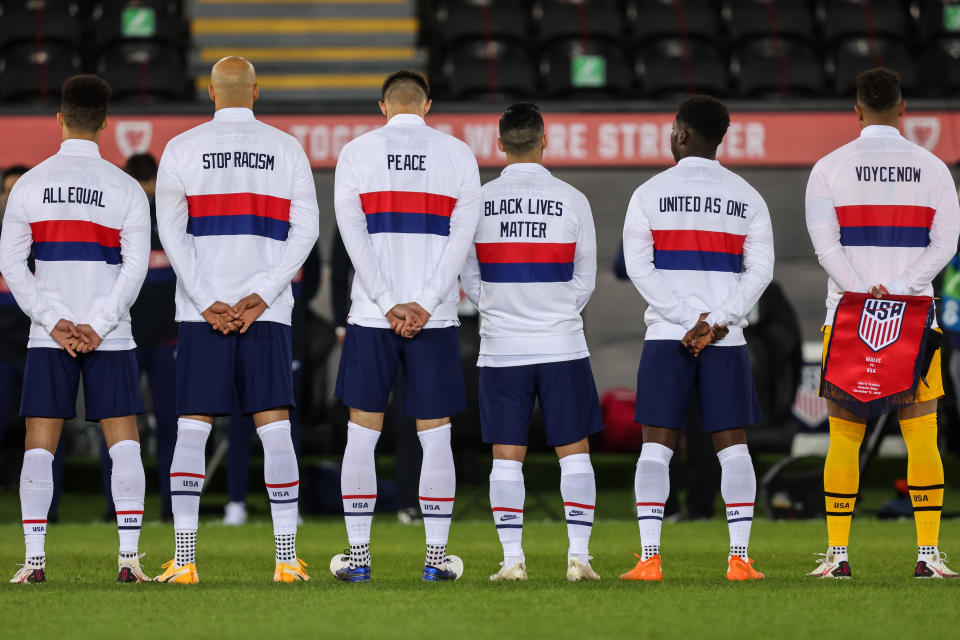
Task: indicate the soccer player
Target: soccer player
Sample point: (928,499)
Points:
(699,248)
(88,224)
(407,199)
(883,216)
(530,273)
(237,214)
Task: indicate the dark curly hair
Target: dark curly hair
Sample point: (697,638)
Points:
(706,115)
(521,127)
(879,89)
(84,100)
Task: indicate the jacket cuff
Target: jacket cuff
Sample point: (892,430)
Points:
(429,301)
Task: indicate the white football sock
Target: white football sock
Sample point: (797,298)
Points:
(839,553)
(506,501)
(187,473)
(578,488)
(282,479)
(358,488)
(438,484)
(652,488)
(128,484)
(738,486)
(36,494)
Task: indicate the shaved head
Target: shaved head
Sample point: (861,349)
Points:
(233,83)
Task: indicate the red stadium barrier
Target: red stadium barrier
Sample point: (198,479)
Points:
(574,140)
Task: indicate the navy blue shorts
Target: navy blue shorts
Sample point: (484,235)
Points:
(567,395)
(430,364)
(51,378)
(721,376)
(214,369)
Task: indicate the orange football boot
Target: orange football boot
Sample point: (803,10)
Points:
(740,569)
(648,570)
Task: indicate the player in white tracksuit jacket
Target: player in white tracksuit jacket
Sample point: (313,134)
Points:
(237,215)
(407,201)
(883,217)
(88,225)
(699,247)
(531,272)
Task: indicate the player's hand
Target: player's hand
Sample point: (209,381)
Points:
(221,317)
(248,310)
(89,339)
(719,332)
(66,335)
(698,337)
(878,291)
(421,315)
(403,320)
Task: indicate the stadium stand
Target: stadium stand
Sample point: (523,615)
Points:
(735,48)
(777,67)
(30,71)
(488,69)
(483,49)
(308,51)
(138,44)
(677,66)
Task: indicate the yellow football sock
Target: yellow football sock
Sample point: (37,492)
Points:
(924,476)
(841,478)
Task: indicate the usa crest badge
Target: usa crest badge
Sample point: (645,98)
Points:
(878,352)
(880,322)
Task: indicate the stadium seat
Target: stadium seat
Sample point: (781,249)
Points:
(672,67)
(682,18)
(455,20)
(586,69)
(871,18)
(143,71)
(162,21)
(940,71)
(775,18)
(587,19)
(938,17)
(777,67)
(853,55)
(40,21)
(492,69)
(30,71)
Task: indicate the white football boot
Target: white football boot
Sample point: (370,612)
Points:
(516,571)
(577,572)
(130,571)
(831,567)
(934,567)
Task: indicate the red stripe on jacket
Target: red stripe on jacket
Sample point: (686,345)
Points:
(74,231)
(239,204)
(696,240)
(885,215)
(407,202)
(525,252)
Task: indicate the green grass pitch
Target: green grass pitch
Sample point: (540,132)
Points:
(236,598)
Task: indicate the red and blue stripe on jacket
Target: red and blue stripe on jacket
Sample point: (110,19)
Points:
(697,250)
(83,240)
(885,225)
(526,261)
(238,214)
(407,212)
